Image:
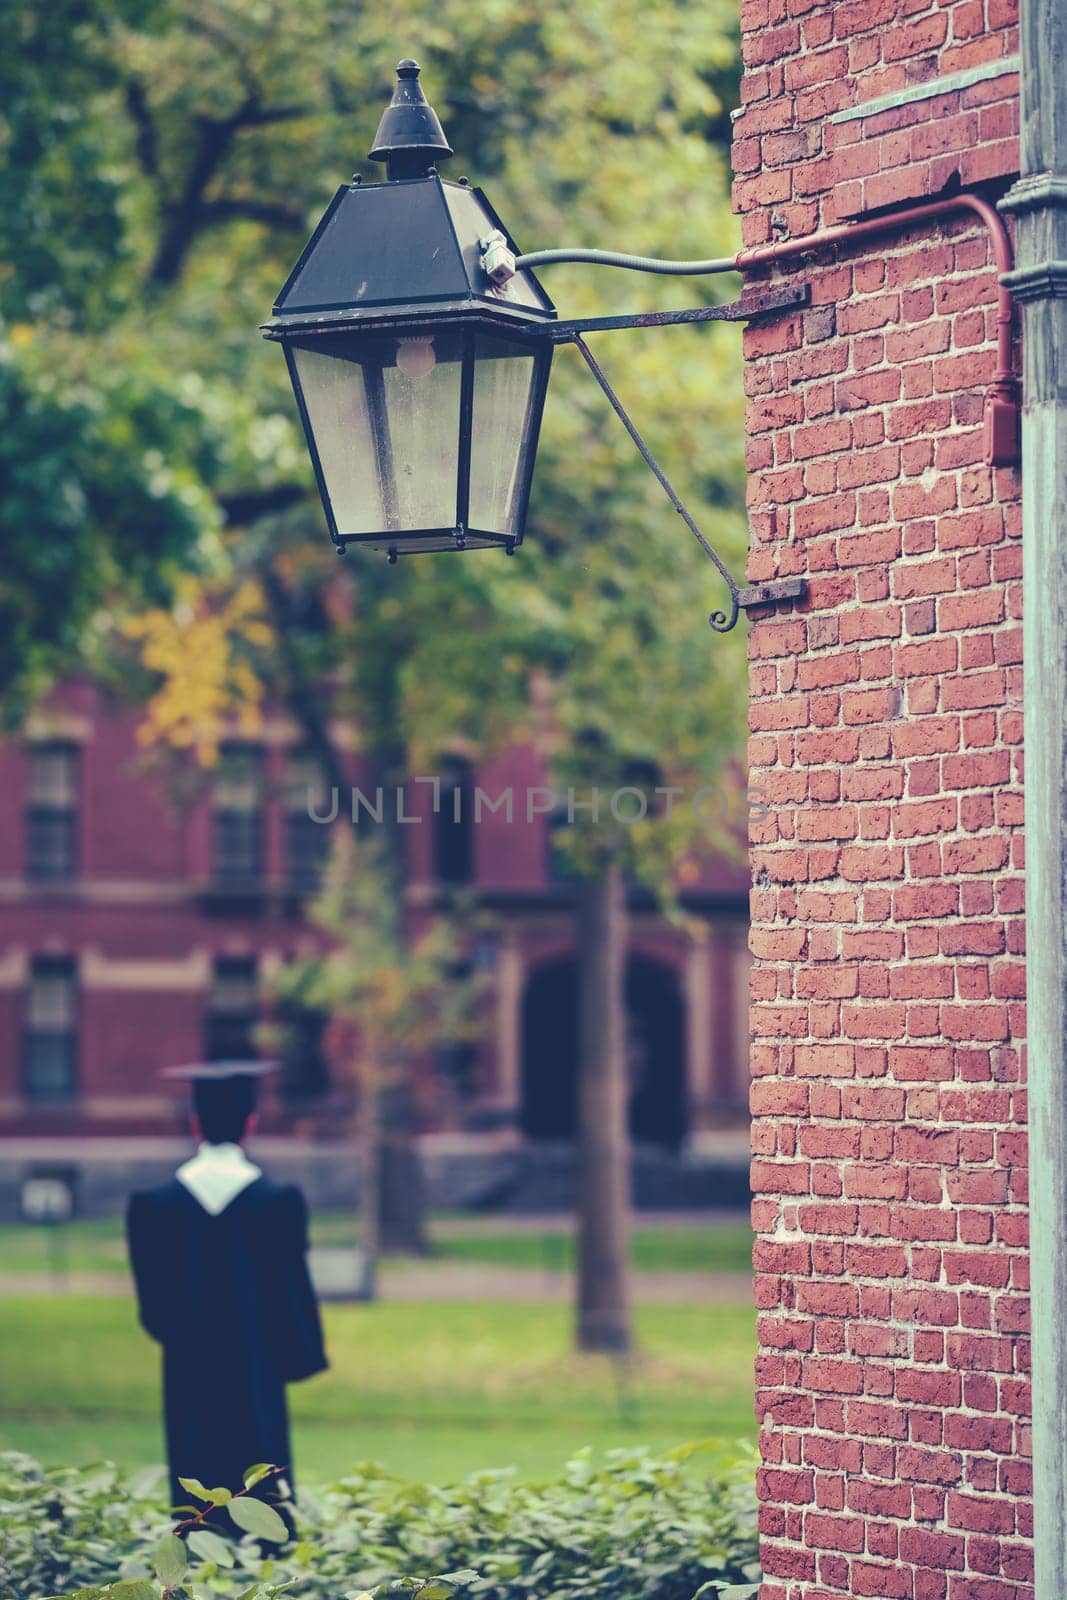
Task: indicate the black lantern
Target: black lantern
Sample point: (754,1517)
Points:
(419,384)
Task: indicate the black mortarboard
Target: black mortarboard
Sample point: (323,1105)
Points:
(217,1071)
(224,1093)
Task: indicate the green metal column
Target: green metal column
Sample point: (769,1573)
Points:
(1039,204)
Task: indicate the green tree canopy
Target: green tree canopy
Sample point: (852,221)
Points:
(162,164)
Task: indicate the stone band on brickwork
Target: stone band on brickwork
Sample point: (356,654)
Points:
(929,90)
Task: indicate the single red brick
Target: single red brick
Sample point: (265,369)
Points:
(875,1182)
(876,1261)
(915,818)
(968,690)
(791,1488)
(924,577)
(979,1433)
(872,389)
(973,938)
(975,855)
(833,1533)
(824,1375)
(974,1352)
(922,981)
(929,1466)
(892,1582)
(829,1060)
(780,1177)
(991,1268)
(794,1258)
(979,1514)
(928,1549)
(916,38)
(873,1021)
(924,500)
(785,1333)
(924,1222)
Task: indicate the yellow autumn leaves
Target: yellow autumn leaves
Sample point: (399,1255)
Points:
(208,688)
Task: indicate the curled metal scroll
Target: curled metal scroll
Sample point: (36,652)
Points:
(721,621)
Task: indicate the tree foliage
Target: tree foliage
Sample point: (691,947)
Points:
(401,993)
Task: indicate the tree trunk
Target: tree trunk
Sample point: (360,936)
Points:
(402,1208)
(603,1310)
(392,1212)
(370,1210)
(402,1204)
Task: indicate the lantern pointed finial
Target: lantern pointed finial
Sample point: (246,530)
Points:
(410,139)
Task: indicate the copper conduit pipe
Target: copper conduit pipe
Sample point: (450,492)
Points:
(1002,401)
(1002,405)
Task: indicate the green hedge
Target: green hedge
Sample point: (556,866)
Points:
(638,1527)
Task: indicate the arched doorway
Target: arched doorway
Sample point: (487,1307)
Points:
(656,1052)
(655,1015)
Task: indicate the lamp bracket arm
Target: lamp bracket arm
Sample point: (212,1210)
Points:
(741,599)
(753,303)
(721,621)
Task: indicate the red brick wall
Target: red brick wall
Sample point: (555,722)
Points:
(886,727)
(806,60)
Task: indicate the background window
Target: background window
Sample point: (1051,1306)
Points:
(307,842)
(51,1030)
(457,1064)
(453,825)
(233,1010)
(559,867)
(237,844)
(305,1070)
(52,810)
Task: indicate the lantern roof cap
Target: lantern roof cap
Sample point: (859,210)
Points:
(410,137)
(388,252)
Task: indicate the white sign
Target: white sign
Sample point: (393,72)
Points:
(48,1199)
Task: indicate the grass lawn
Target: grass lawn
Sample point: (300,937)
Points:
(671,1247)
(713,1246)
(96,1247)
(433,1391)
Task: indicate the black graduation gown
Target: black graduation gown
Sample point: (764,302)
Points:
(230,1300)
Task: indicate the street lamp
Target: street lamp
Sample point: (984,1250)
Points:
(418,385)
(419,342)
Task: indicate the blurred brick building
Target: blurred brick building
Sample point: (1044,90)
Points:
(142,924)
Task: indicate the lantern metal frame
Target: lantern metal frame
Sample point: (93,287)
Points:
(342,285)
(461,534)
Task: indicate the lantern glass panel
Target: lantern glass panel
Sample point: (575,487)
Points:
(422,392)
(383,411)
(335,401)
(503,382)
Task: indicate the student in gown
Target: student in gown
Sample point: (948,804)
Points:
(219,1258)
